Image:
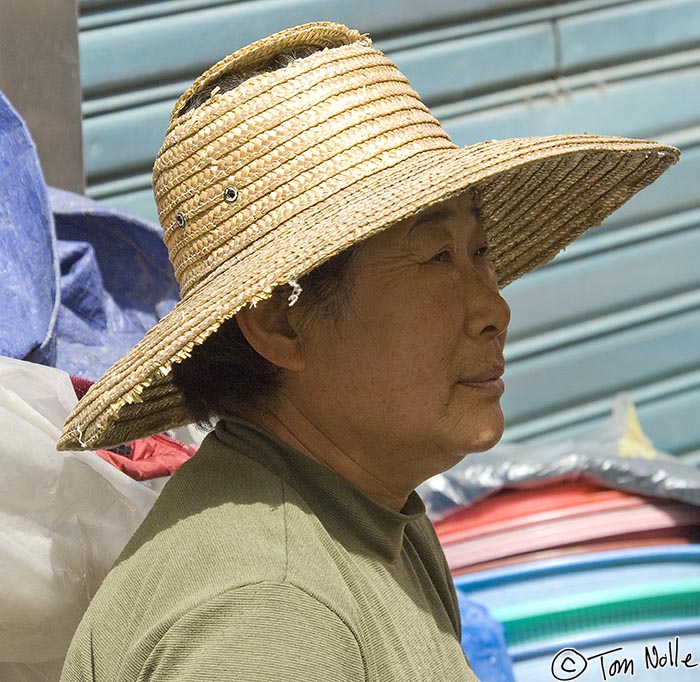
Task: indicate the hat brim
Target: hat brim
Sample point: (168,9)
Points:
(537,195)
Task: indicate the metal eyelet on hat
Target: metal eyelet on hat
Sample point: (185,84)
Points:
(231,194)
(180,219)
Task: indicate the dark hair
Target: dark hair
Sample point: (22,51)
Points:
(231,80)
(225,373)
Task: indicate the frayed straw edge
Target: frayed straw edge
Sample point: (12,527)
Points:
(134,395)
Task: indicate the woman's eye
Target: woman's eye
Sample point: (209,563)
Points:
(442,257)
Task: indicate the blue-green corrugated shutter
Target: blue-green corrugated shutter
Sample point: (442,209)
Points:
(620,310)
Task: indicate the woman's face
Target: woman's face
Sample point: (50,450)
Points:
(410,371)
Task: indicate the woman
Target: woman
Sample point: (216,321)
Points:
(339,262)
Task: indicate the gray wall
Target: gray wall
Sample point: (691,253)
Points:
(39,74)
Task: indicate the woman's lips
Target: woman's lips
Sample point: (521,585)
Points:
(492,386)
(488,382)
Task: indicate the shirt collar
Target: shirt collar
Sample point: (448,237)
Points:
(346,511)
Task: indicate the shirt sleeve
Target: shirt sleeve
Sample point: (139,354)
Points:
(264,632)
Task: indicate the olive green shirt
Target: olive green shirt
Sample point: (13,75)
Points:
(257,563)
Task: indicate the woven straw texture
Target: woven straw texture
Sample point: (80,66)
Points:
(261,183)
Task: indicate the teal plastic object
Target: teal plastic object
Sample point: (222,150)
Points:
(612,607)
(579,574)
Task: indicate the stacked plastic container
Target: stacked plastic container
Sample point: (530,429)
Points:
(588,582)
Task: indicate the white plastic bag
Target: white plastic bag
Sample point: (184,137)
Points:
(64,519)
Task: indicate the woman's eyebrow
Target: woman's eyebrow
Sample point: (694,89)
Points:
(429,215)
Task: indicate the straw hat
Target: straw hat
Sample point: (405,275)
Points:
(263,182)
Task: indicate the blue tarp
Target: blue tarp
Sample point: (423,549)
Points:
(29,271)
(80,283)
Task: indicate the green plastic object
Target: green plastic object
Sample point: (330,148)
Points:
(614,607)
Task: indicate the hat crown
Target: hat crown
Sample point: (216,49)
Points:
(258,55)
(234,170)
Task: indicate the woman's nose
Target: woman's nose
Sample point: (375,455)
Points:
(488,314)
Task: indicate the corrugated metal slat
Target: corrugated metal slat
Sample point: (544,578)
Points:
(601,284)
(667,409)
(660,346)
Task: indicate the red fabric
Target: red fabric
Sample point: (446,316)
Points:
(151,457)
(548,500)
(674,536)
(80,386)
(515,525)
(148,458)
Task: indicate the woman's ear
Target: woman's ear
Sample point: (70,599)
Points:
(268,329)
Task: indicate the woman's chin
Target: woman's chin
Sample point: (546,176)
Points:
(483,434)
